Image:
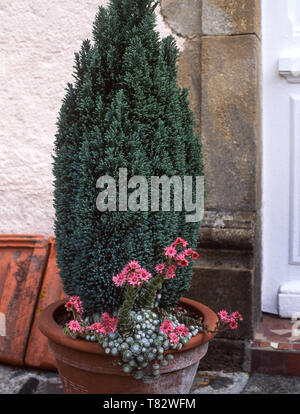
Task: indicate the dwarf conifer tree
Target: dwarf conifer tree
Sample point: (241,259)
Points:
(124,110)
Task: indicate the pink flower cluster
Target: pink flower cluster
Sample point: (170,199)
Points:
(108,325)
(133,274)
(75,327)
(180,330)
(176,258)
(74,303)
(232,319)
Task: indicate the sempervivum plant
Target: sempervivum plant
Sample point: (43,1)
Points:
(142,333)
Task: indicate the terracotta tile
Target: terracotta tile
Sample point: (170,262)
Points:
(284,347)
(275,322)
(255,344)
(278,338)
(259,337)
(296,347)
(37,354)
(279,326)
(283,333)
(265,344)
(22,262)
(267,317)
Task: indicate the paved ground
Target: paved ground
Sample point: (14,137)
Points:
(17,381)
(243,383)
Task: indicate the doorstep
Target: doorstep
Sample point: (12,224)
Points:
(276,347)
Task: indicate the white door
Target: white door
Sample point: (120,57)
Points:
(281,156)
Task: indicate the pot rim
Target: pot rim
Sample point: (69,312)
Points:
(55,333)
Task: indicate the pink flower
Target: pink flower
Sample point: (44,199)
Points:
(224,316)
(188,252)
(237,315)
(120,280)
(108,325)
(99,328)
(233,324)
(181,260)
(105,317)
(105,330)
(75,303)
(116,280)
(174,339)
(182,330)
(179,241)
(96,327)
(133,274)
(195,255)
(69,306)
(170,273)
(75,327)
(133,265)
(191,253)
(110,320)
(166,326)
(144,275)
(170,252)
(160,268)
(134,280)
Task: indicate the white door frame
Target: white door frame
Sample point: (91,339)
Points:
(281,156)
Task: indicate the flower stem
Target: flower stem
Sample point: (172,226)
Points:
(125,319)
(147,298)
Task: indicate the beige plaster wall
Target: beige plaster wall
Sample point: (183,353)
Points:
(37,43)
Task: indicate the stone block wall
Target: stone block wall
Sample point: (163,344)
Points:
(220,63)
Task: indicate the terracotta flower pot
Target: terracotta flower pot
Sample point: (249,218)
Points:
(84,368)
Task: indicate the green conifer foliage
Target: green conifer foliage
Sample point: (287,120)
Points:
(124,110)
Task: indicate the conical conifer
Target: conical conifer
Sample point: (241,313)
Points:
(124,110)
